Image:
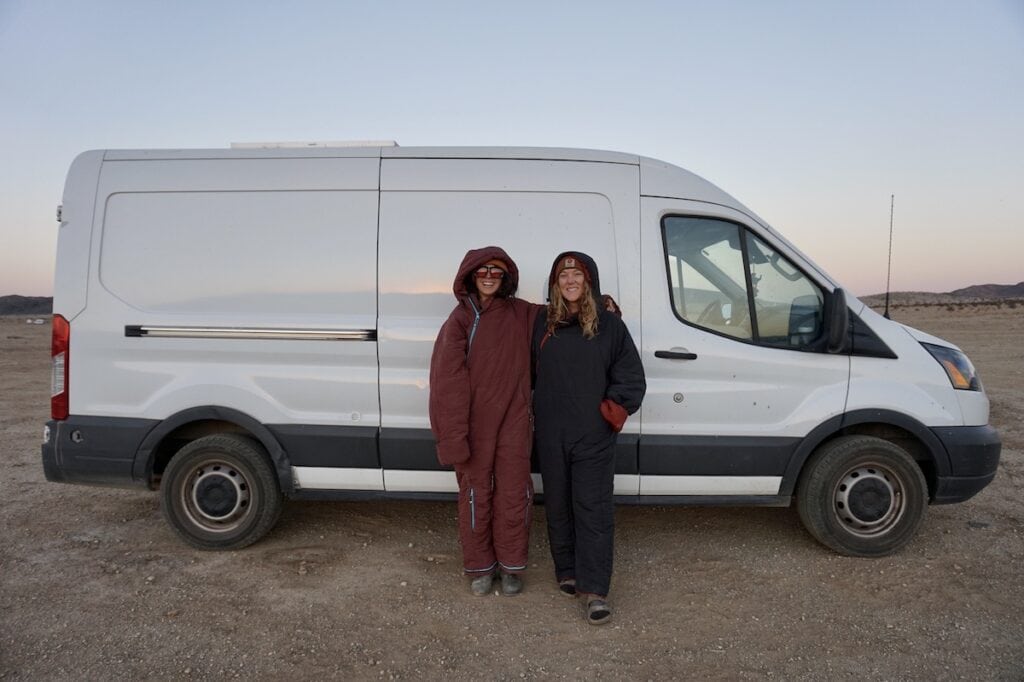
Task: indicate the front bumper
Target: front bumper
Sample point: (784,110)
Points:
(973,458)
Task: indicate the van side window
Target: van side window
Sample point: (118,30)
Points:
(706,274)
(789,306)
(716,268)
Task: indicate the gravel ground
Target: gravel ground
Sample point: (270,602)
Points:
(94,584)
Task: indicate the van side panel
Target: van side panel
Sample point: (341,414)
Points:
(246,284)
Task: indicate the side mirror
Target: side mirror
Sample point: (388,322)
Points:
(838,322)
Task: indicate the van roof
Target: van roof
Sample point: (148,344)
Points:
(258,152)
(657,178)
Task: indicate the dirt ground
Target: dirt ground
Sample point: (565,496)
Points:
(94,584)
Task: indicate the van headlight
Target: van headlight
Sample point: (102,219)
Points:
(958,368)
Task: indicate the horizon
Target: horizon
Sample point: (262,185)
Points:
(811,115)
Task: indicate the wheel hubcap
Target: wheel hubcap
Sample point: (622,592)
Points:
(217,496)
(869,500)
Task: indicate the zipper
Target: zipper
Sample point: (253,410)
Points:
(472,331)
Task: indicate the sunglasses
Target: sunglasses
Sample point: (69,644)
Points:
(491,271)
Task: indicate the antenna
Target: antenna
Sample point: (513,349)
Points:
(888,274)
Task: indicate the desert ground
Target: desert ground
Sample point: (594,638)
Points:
(94,584)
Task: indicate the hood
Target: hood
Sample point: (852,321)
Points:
(924,337)
(474,258)
(588,263)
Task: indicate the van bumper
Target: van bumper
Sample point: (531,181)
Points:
(973,458)
(93,450)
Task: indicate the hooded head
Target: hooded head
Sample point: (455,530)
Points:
(465,283)
(558,309)
(580,261)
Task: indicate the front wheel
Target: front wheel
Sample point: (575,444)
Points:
(221,492)
(862,496)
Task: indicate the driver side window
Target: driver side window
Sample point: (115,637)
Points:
(706,279)
(717,269)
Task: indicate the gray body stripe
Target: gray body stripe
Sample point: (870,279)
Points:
(252,333)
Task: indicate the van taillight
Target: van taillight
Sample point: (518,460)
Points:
(59,347)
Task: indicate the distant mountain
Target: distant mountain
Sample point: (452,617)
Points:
(978,293)
(991,291)
(26,305)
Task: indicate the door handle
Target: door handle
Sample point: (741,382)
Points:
(675,354)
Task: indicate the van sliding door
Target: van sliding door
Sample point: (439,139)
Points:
(432,211)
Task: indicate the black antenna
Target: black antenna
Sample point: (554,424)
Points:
(888,274)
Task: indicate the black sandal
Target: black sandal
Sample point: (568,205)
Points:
(567,587)
(598,612)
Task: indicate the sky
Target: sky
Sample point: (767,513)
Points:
(811,113)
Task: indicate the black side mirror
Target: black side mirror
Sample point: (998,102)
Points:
(838,322)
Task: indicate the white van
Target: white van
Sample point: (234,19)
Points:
(233,327)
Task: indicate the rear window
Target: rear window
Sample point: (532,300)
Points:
(285,252)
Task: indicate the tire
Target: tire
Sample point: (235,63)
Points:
(862,496)
(221,492)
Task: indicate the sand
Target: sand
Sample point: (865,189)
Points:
(94,584)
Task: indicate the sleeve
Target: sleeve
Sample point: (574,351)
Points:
(450,393)
(626,382)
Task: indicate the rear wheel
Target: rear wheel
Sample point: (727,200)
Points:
(862,496)
(221,492)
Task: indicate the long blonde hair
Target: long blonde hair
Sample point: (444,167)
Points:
(558,310)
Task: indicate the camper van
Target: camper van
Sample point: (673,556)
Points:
(239,326)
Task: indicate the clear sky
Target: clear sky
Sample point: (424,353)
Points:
(811,113)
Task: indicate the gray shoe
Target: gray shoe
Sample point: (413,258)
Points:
(598,612)
(482,586)
(511,584)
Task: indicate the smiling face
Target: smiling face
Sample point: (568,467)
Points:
(571,286)
(488,279)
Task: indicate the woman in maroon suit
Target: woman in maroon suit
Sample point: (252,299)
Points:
(480,416)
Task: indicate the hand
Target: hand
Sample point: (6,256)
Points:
(610,305)
(614,414)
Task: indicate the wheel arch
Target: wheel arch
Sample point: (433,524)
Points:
(172,433)
(908,433)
